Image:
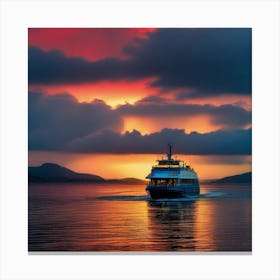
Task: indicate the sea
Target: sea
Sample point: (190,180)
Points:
(84,217)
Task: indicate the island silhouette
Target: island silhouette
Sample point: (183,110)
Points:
(244,178)
(52,172)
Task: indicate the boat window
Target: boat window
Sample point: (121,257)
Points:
(164,182)
(187,181)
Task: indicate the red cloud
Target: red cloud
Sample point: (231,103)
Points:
(89,43)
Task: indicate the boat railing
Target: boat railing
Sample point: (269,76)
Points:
(167,166)
(161,185)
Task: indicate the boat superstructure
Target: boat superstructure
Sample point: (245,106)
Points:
(172,178)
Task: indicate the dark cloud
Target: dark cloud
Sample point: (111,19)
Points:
(229,116)
(196,94)
(152,99)
(53,121)
(237,142)
(54,67)
(206,61)
(59,122)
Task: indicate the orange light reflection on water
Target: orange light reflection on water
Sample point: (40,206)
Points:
(104,217)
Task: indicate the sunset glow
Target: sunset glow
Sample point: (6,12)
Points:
(89,43)
(112,93)
(108,100)
(146,125)
(138,166)
(139,140)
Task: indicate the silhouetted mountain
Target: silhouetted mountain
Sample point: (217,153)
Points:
(235,179)
(51,172)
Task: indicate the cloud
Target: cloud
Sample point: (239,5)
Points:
(151,99)
(53,121)
(208,60)
(237,142)
(205,61)
(229,116)
(90,43)
(61,123)
(54,67)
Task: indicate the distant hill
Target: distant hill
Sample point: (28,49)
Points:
(235,179)
(51,172)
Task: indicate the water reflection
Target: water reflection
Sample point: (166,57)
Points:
(105,218)
(172,225)
(223,225)
(201,225)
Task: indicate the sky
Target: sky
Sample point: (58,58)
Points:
(115,95)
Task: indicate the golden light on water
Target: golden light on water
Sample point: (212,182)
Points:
(204,226)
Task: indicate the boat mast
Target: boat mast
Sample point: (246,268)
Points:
(169,153)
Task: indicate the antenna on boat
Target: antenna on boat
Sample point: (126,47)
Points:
(169,153)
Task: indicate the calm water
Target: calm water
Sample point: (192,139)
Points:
(114,218)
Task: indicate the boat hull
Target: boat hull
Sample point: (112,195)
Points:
(158,192)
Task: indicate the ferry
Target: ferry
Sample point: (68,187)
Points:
(172,178)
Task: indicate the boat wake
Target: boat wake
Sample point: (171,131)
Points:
(212,194)
(125,198)
(144,198)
